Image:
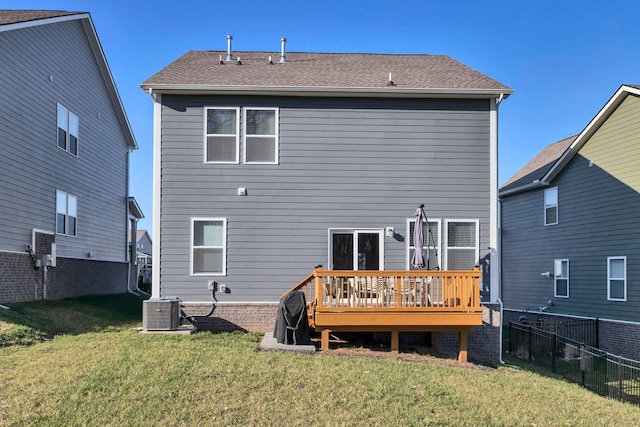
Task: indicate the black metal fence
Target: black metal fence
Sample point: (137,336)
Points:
(604,373)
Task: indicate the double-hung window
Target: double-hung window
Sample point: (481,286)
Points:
(461,241)
(66,213)
(430,246)
(617,278)
(551,206)
(561,278)
(222,135)
(260,135)
(68,130)
(208,246)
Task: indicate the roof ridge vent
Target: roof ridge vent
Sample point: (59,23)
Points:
(229,55)
(283,56)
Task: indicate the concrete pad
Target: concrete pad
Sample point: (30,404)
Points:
(181,330)
(270,343)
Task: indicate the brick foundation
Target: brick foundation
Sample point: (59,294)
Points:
(483,342)
(256,317)
(20,282)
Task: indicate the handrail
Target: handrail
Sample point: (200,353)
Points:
(301,284)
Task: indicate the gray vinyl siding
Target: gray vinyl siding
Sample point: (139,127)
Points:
(32,167)
(597,219)
(343,163)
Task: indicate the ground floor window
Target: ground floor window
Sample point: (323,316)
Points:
(354,249)
(617,278)
(66,213)
(561,278)
(208,246)
(461,239)
(430,245)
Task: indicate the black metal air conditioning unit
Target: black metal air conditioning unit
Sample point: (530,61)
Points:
(161,314)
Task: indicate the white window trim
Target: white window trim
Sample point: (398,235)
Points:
(66,214)
(276,138)
(224,246)
(68,130)
(556,205)
(609,278)
(355,232)
(426,242)
(556,277)
(445,240)
(237,135)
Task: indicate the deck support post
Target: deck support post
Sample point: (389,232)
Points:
(324,339)
(395,341)
(462,351)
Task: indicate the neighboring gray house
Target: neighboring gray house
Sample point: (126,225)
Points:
(267,165)
(144,250)
(64,167)
(143,246)
(570,242)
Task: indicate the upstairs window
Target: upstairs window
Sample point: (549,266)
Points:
(221,135)
(66,213)
(260,135)
(208,246)
(561,278)
(617,278)
(551,206)
(68,130)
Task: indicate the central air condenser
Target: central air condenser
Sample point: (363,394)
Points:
(161,314)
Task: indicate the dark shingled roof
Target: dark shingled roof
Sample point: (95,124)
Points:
(15,16)
(539,165)
(324,70)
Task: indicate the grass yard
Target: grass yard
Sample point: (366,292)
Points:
(100,372)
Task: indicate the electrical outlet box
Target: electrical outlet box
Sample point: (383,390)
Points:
(223,288)
(211,285)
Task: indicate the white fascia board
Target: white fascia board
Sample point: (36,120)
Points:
(44,21)
(589,130)
(326,91)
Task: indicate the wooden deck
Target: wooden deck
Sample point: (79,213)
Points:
(393,301)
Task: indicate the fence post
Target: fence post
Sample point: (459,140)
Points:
(553,350)
(621,396)
(597,332)
(510,337)
(529,342)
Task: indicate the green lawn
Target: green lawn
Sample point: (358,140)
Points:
(103,373)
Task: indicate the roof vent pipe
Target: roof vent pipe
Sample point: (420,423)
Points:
(283,56)
(229,56)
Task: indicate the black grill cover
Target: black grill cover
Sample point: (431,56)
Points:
(292,323)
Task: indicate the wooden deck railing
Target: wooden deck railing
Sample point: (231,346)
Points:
(394,301)
(421,290)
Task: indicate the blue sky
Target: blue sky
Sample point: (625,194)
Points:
(564,59)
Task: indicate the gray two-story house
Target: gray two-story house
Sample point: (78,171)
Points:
(64,169)
(269,164)
(570,244)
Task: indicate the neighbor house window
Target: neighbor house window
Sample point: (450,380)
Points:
(617,278)
(221,135)
(68,129)
(431,244)
(461,240)
(260,135)
(208,246)
(561,278)
(66,213)
(551,206)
